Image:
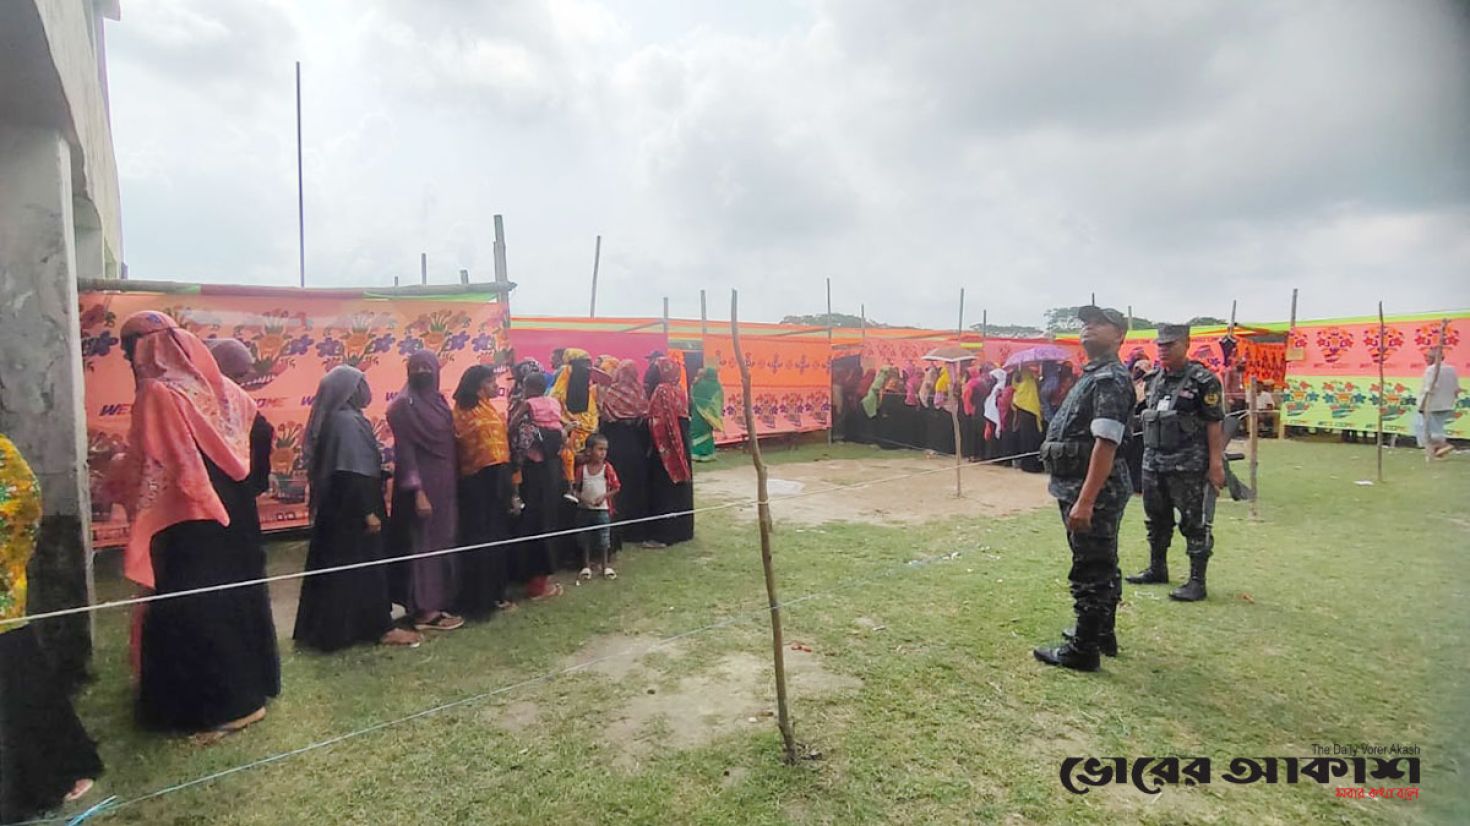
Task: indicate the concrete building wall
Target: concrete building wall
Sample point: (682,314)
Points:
(59,218)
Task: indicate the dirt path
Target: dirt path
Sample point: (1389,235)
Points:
(796,490)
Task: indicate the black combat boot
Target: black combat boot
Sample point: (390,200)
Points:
(1079,653)
(1194,589)
(1157,571)
(1107,641)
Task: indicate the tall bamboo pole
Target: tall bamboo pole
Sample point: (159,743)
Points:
(763,508)
(1255,441)
(703,318)
(950,401)
(1280,408)
(1378,440)
(300,186)
(596,263)
(831,423)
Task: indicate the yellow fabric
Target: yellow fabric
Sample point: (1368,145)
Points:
(1028,396)
(942,385)
(579,425)
(20,519)
(481,438)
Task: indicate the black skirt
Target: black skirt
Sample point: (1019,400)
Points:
(44,750)
(542,486)
(664,496)
(858,427)
(484,503)
(1024,440)
(341,609)
(210,658)
(627,451)
(897,425)
(938,430)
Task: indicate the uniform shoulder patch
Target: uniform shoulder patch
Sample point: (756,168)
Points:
(1212,398)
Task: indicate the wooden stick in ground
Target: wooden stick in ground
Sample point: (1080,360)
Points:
(763,509)
(1280,408)
(1255,437)
(956,385)
(1378,440)
(831,423)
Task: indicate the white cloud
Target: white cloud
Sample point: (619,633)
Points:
(1170,156)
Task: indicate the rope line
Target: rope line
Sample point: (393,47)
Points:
(113,804)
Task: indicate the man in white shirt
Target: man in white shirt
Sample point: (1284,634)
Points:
(1437,397)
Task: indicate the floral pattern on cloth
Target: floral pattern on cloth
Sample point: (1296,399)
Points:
(481,436)
(20,520)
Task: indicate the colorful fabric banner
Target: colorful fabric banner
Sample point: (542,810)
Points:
(790,384)
(295,341)
(1334,385)
(1266,361)
(538,343)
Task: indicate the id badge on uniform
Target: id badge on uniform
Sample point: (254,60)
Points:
(1163,405)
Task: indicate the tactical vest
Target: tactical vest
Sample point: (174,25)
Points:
(1169,429)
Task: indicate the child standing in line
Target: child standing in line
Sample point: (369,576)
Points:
(596,484)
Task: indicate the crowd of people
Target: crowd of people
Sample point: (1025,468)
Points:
(1002,413)
(579,446)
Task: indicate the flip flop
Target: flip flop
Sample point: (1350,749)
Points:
(552,590)
(585,573)
(609,573)
(443,622)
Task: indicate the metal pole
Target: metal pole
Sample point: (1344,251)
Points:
(300,186)
(703,317)
(596,260)
(1380,358)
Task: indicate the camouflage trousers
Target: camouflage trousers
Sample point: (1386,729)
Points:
(1192,497)
(1096,581)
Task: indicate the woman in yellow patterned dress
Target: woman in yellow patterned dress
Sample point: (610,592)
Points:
(578,397)
(45,754)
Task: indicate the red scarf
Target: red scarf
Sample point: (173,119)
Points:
(669,404)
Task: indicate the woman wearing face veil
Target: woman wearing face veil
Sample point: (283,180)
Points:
(344,462)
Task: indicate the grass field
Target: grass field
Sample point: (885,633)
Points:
(1340,617)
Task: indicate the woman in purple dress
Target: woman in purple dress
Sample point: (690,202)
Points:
(425,506)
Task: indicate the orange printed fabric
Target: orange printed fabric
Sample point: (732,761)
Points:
(790,383)
(293,341)
(480,437)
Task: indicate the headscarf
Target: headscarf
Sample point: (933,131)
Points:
(524,369)
(875,391)
(338,436)
(572,382)
(992,401)
(1027,396)
(926,389)
(913,382)
(625,399)
(20,523)
(973,387)
(708,398)
(233,357)
(480,433)
(669,404)
(184,411)
(423,415)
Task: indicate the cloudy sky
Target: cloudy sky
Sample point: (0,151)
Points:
(1170,155)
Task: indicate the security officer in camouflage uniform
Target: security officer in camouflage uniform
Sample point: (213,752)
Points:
(1089,478)
(1183,460)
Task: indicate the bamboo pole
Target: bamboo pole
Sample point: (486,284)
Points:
(863,308)
(831,424)
(1255,442)
(950,401)
(1378,439)
(1280,408)
(596,263)
(763,507)
(423,268)
(703,318)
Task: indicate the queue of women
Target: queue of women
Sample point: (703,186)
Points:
(585,446)
(1001,412)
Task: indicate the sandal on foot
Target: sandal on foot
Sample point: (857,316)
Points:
(585,573)
(79,790)
(506,606)
(652,545)
(609,573)
(402,637)
(443,622)
(218,733)
(553,589)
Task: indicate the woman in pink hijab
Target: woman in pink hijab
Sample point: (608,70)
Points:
(208,662)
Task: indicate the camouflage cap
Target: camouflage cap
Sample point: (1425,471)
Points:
(1170,333)
(1106,315)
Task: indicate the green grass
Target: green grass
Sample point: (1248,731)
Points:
(1353,632)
